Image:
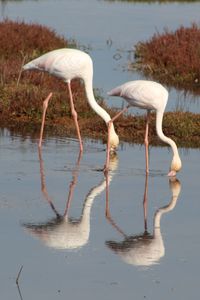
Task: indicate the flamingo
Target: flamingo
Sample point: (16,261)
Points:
(62,232)
(68,64)
(144,249)
(147,95)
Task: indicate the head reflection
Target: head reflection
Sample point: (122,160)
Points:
(144,249)
(63,232)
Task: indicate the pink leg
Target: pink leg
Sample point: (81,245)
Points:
(45,105)
(146,142)
(145,202)
(108,149)
(108,141)
(71,192)
(73,184)
(74,114)
(43,183)
(107,212)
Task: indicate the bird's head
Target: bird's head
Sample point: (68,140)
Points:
(114,140)
(175,186)
(175,165)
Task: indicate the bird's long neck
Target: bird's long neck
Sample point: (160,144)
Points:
(90,198)
(92,101)
(161,135)
(114,140)
(176,189)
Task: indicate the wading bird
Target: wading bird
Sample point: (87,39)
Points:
(68,64)
(144,249)
(147,95)
(62,231)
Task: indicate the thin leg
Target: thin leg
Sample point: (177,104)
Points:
(45,105)
(43,183)
(145,200)
(146,142)
(74,114)
(107,212)
(71,192)
(71,188)
(108,141)
(73,183)
(106,168)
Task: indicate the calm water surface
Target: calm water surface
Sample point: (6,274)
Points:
(52,211)
(111,257)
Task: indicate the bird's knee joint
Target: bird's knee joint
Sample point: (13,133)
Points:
(45,103)
(74,114)
(109,124)
(146,142)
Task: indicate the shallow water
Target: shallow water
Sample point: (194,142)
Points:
(94,256)
(70,248)
(109,31)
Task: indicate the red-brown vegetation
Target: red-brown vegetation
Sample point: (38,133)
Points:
(20,43)
(22,94)
(172,57)
(21,97)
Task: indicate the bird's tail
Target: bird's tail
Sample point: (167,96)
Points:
(29,66)
(115,92)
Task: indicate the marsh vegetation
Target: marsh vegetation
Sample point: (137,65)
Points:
(22,93)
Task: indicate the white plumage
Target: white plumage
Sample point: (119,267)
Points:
(146,249)
(68,64)
(147,95)
(143,94)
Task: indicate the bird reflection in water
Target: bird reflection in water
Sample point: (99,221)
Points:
(144,249)
(62,232)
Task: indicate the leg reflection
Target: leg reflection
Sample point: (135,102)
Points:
(64,232)
(143,249)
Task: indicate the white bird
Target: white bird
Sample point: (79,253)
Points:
(64,232)
(146,249)
(68,64)
(147,95)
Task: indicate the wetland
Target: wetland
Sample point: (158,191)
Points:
(119,250)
